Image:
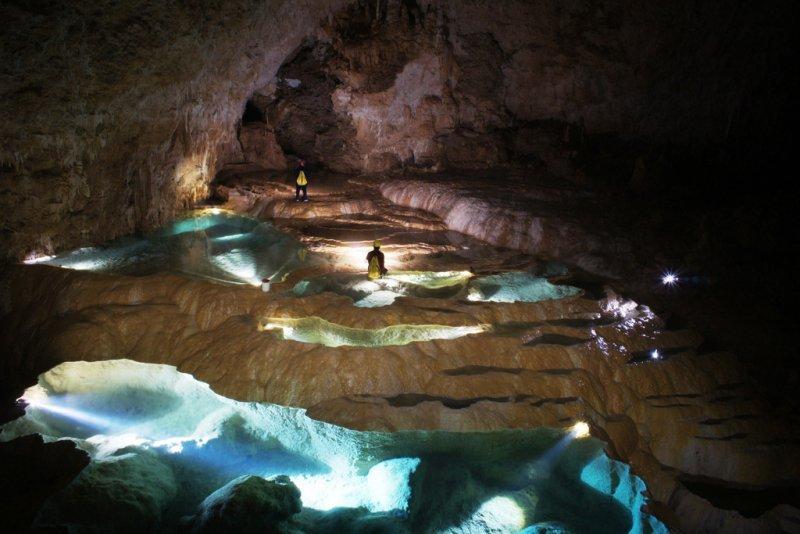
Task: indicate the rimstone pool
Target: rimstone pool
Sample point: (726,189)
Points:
(472,389)
(160,442)
(213,244)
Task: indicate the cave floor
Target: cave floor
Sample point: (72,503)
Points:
(477,364)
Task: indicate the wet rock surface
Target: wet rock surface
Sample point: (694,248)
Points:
(347,480)
(687,412)
(484,125)
(117,117)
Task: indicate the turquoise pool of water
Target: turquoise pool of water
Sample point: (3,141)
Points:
(220,246)
(161,442)
(513,286)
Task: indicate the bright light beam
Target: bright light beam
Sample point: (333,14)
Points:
(543,466)
(79,416)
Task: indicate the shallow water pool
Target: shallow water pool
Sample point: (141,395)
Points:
(517,286)
(320,331)
(367,293)
(161,441)
(514,286)
(210,244)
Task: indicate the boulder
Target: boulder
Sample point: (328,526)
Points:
(248,503)
(126,493)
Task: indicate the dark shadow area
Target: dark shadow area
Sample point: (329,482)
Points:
(748,502)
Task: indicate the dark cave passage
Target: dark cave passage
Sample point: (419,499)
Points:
(581,223)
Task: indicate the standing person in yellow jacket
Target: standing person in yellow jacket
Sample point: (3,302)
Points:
(302,182)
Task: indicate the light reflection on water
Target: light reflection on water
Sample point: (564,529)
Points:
(318,330)
(147,424)
(514,286)
(219,246)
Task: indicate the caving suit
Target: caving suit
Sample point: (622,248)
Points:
(375,262)
(302,184)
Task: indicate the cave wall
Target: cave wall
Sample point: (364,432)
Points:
(457,84)
(116,115)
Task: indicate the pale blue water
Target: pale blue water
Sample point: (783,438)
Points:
(166,441)
(515,286)
(222,246)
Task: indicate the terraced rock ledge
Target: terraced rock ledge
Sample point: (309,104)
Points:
(660,402)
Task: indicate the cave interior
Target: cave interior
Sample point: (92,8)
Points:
(583,324)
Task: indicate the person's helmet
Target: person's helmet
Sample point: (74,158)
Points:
(377,243)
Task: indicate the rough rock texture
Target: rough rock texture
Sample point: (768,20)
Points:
(248,504)
(116,115)
(519,218)
(688,413)
(126,493)
(465,85)
(260,146)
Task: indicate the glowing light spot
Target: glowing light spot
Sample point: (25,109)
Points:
(88,265)
(367,286)
(669,279)
(498,514)
(377,299)
(240,264)
(232,237)
(388,484)
(36,257)
(354,257)
(384,488)
(107,445)
(431,279)
(580,430)
(655,354)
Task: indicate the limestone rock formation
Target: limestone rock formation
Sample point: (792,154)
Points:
(114,119)
(686,412)
(116,116)
(476,208)
(260,146)
(471,133)
(125,493)
(248,504)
